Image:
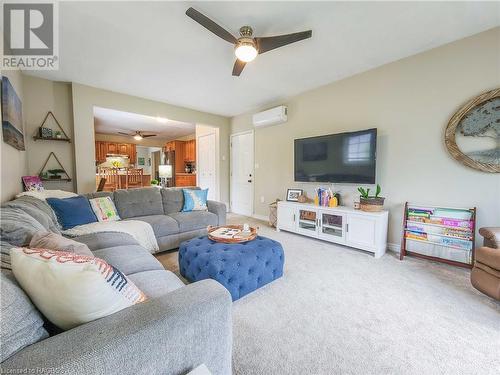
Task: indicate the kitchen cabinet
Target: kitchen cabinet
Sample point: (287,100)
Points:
(103,148)
(100,151)
(112,148)
(185,179)
(190,151)
(123,148)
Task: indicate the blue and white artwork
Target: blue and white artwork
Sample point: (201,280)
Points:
(12,116)
(479,133)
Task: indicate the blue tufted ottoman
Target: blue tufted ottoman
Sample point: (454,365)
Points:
(241,268)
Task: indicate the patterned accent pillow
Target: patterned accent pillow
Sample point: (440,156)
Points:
(104,209)
(71,289)
(195,200)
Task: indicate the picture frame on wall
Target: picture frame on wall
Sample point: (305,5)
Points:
(292,195)
(12,116)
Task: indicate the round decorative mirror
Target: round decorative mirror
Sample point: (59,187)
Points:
(473,133)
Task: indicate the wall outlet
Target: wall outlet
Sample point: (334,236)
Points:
(262,199)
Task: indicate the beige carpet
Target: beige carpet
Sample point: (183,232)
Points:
(340,311)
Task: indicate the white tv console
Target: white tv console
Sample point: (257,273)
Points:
(346,226)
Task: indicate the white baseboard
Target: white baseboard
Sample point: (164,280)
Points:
(260,217)
(394,247)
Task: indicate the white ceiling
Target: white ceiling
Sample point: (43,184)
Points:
(153,50)
(110,121)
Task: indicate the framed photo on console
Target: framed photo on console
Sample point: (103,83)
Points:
(292,195)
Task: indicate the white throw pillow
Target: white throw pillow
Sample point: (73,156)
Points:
(71,289)
(104,209)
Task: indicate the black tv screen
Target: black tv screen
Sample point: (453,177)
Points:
(344,157)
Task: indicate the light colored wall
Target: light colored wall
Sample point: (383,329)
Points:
(41,96)
(145,152)
(14,162)
(85,98)
(410,102)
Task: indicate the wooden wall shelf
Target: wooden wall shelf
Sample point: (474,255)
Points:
(37,138)
(56,179)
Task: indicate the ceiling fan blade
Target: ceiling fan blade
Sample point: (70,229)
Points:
(126,134)
(148,135)
(238,67)
(269,43)
(210,25)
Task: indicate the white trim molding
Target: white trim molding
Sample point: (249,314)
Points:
(394,247)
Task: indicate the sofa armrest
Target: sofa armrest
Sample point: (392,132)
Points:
(491,236)
(488,256)
(219,209)
(172,334)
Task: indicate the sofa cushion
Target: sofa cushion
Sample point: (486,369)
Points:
(173,200)
(138,202)
(37,209)
(99,194)
(72,211)
(97,241)
(21,324)
(156,283)
(17,227)
(54,241)
(162,225)
(194,220)
(5,255)
(129,259)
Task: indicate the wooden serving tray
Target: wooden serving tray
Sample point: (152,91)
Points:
(236,239)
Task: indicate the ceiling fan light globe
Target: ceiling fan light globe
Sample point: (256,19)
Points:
(137,137)
(245,52)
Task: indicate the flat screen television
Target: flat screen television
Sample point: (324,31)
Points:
(340,158)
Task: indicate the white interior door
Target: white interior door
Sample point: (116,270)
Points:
(205,167)
(242,174)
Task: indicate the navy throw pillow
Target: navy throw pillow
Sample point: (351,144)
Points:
(72,211)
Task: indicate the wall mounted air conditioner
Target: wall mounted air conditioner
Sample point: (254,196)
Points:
(273,116)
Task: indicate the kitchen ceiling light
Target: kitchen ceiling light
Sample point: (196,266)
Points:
(161,120)
(137,137)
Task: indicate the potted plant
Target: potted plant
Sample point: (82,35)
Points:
(372,203)
(55,173)
(58,134)
(155,183)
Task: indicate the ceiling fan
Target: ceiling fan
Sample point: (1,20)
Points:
(246,47)
(138,135)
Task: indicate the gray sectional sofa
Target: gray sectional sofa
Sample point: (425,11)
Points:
(180,326)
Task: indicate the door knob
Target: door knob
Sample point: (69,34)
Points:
(249,180)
